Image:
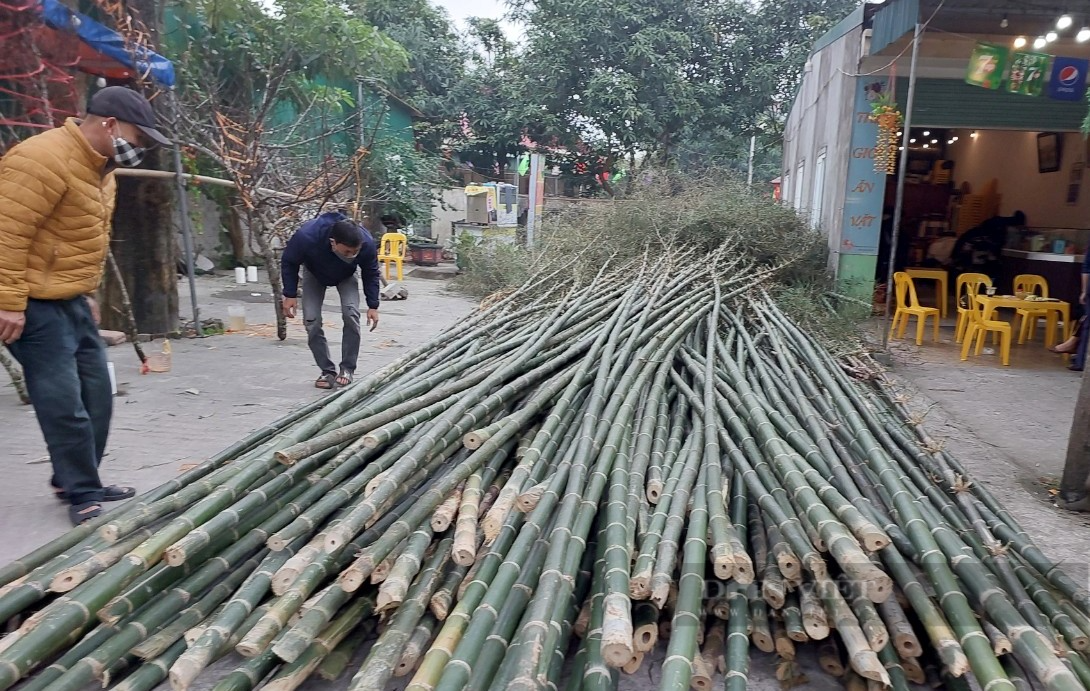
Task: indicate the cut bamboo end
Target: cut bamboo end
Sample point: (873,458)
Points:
(69,579)
(703,674)
(371,441)
(617,654)
(724,568)
(284,457)
(913,671)
(110,532)
(182,673)
(874,542)
(464,556)
(475,439)
(867,665)
(390,595)
(277,543)
(654,491)
(175,556)
(763,641)
(283,580)
(743,569)
(645,638)
(830,661)
(633,665)
(639,586)
(790,567)
(352,580)
(528,500)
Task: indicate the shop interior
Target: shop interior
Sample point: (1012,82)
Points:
(958,178)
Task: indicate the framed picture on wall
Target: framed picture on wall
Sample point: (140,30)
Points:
(1049,148)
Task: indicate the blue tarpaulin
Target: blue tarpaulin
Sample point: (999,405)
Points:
(108,42)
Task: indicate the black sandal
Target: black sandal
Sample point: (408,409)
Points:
(111,493)
(346,377)
(326,382)
(87,511)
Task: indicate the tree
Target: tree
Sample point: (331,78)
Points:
(655,82)
(260,101)
(436,54)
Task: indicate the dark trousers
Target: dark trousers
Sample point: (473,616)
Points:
(313,298)
(64,360)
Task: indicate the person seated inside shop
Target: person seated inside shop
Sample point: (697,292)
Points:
(940,253)
(979,249)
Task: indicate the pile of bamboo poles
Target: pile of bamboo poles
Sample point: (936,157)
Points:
(541,496)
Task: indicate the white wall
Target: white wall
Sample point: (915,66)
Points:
(820,123)
(452,208)
(1011,158)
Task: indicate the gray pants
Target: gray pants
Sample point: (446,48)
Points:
(313,297)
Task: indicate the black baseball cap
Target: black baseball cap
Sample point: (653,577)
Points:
(127,106)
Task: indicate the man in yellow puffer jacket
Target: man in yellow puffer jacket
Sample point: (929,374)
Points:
(57,196)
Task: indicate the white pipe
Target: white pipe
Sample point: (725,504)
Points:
(167,175)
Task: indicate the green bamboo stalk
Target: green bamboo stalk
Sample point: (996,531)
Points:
(902,635)
(737,675)
(335,664)
(418,644)
(643,570)
(293,674)
(677,668)
(435,661)
(792,619)
(151,619)
(379,666)
(668,545)
(153,672)
(80,534)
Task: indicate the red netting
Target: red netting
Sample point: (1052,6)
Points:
(37,88)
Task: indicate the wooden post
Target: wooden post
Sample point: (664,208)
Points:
(1074,494)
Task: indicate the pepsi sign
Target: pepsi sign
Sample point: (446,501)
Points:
(1068,81)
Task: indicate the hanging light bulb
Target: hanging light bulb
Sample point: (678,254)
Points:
(1004,23)
(1020,42)
(1040,42)
(1052,36)
(974,135)
(1084,35)
(927,133)
(1064,22)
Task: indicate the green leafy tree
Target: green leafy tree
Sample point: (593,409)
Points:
(259,102)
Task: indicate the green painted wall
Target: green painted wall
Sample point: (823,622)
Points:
(396,120)
(855,275)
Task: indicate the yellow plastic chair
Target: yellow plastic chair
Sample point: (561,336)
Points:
(392,249)
(979,328)
(968,286)
(1027,318)
(908,306)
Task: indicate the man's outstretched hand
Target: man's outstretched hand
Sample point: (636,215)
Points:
(12,323)
(372,319)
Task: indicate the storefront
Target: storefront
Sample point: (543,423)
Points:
(972,152)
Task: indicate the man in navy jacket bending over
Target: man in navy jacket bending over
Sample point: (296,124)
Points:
(329,249)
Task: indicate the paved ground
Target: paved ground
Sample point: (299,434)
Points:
(1008,425)
(218,390)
